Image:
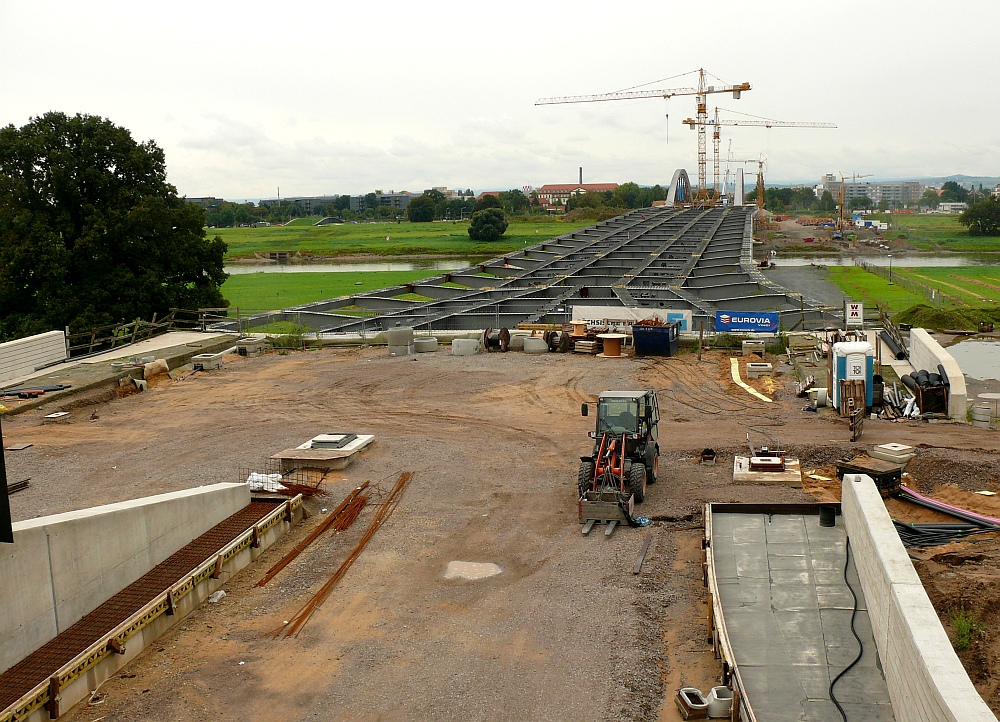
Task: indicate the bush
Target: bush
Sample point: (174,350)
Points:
(487,225)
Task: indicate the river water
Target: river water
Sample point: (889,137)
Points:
(455,264)
(403,264)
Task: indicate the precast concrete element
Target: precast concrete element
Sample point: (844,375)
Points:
(26,355)
(926,353)
(205,570)
(465,347)
(694,260)
(425,344)
(517,341)
(535,345)
(68,564)
(926,680)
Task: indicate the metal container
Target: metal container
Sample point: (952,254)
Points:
(656,340)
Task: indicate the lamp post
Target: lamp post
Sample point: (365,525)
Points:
(890,269)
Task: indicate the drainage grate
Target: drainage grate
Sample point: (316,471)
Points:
(50,657)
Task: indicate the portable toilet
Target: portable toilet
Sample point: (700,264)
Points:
(851,360)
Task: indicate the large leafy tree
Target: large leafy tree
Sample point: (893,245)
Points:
(983,218)
(420,210)
(91,233)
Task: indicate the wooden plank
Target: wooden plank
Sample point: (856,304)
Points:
(642,553)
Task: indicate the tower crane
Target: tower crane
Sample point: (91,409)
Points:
(716,123)
(701,92)
(840,216)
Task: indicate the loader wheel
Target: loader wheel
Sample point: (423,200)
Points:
(654,472)
(585,479)
(637,481)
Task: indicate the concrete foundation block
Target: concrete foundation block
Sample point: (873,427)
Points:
(427,344)
(756,370)
(465,347)
(406,350)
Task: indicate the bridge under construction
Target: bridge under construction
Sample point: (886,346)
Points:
(694,260)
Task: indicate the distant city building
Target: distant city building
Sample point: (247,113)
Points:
(894,193)
(308,203)
(396,200)
(951,207)
(996,192)
(559,193)
(209,202)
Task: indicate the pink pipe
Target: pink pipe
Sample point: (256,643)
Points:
(943,506)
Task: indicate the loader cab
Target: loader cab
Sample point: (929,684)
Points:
(626,412)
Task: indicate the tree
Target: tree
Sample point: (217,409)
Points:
(983,218)
(91,233)
(487,201)
(953,192)
(487,225)
(514,201)
(826,202)
(420,210)
(930,198)
(860,202)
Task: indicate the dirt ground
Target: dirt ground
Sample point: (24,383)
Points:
(566,631)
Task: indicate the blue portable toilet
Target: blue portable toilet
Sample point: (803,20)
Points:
(852,360)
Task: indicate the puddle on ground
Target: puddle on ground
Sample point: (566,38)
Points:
(471,570)
(978,358)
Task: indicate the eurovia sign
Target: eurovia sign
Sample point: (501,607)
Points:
(756,321)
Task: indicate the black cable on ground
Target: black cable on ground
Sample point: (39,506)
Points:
(861,646)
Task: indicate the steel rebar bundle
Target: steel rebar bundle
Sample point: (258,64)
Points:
(388,505)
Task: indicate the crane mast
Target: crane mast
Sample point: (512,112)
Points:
(701,92)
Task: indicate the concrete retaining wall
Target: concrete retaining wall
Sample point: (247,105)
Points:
(26,355)
(926,680)
(66,565)
(926,353)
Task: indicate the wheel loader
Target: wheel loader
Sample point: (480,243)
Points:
(625,456)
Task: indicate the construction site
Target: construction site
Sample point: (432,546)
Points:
(618,475)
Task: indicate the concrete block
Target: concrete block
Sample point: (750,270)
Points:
(425,344)
(464,347)
(404,350)
(206,361)
(756,370)
(68,564)
(750,347)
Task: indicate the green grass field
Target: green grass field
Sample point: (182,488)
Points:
(934,232)
(859,285)
(404,239)
(270,291)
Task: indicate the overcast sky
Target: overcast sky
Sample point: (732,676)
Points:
(338,97)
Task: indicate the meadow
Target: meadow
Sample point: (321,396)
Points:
(271,291)
(958,286)
(937,232)
(387,239)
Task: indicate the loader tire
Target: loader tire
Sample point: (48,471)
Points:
(653,473)
(637,482)
(585,479)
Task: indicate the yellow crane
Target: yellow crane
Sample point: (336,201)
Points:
(716,123)
(840,215)
(701,92)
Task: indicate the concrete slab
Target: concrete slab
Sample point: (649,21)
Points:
(788,615)
(791,476)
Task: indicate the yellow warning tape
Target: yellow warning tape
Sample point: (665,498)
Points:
(734,364)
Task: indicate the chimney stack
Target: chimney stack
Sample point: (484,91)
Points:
(581,175)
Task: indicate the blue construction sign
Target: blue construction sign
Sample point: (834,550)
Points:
(756,321)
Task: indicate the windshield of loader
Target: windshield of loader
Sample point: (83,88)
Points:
(617,415)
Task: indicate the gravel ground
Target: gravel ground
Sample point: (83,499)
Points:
(565,632)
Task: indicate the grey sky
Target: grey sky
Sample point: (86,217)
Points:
(319,97)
